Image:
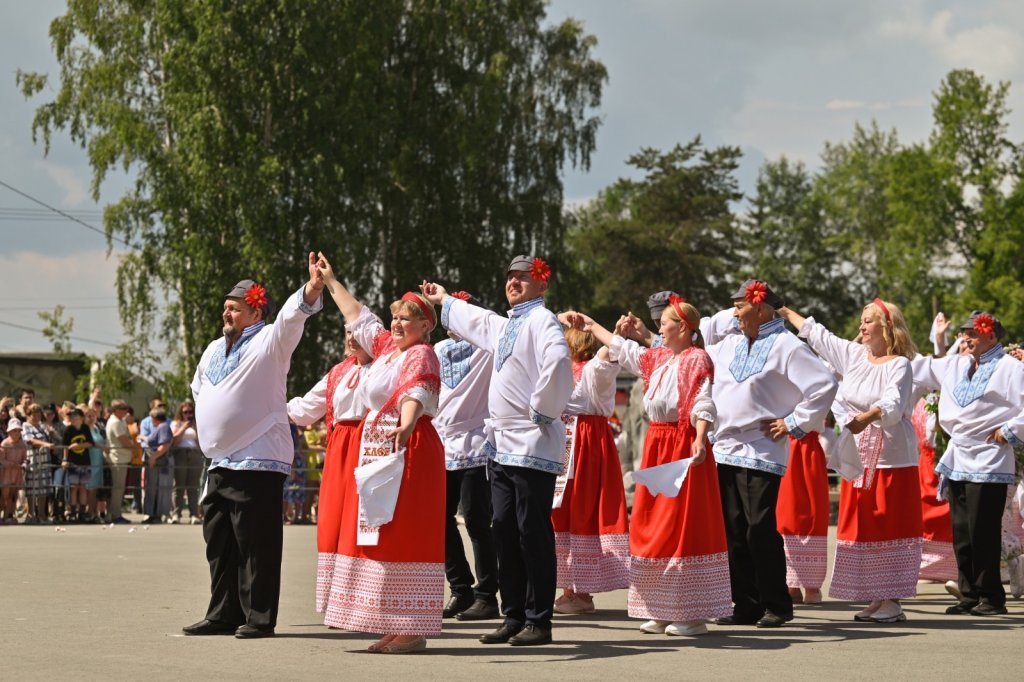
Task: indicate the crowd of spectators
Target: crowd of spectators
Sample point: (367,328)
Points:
(94,463)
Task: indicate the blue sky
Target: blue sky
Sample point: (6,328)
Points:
(775,78)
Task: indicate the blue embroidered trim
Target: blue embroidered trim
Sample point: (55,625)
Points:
(517,316)
(969,477)
(455,362)
(224,364)
(969,389)
(750,359)
(466,462)
(537,418)
(794,430)
(657,342)
(307,309)
(446,307)
(249,464)
(528,462)
(711,438)
(751,463)
(1010,437)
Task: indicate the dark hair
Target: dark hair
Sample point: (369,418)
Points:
(23,391)
(158,414)
(75,412)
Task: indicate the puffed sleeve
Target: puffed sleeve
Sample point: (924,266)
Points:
(308,409)
(837,352)
(420,378)
(627,353)
(897,392)
(704,406)
(597,384)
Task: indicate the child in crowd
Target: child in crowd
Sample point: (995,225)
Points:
(77,441)
(13,453)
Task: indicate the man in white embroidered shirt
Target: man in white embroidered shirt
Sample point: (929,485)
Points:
(242,421)
(768,384)
(525,440)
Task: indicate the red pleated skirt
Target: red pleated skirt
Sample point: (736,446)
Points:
(802,513)
(679,568)
(592,524)
(334,481)
(396,586)
(878,539)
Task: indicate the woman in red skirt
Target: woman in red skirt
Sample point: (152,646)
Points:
(679,566)
(590,518)
(937,559)
(802,518)
(878,538)
(389,578)
(335,396)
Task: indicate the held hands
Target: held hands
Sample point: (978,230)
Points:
(324,270)
(433,292)
(576,320)
(316,279)
(774,428)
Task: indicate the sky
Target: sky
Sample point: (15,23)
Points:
(776,78)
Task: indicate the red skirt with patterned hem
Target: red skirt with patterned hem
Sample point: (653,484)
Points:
(592,524)
(396,586)
(937,559)
(336,476)
(802,513)
(679,565)
(878,539)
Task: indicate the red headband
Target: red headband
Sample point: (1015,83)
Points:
(676,303)
(428,311)
(878,302)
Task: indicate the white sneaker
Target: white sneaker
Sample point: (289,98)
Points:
(691,628)
(654,627)
(954,589)
(889,612)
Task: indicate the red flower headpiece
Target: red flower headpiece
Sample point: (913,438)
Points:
(677,302)
(539,270)
(256,297)
(461,295)
(984,324)
(756,292)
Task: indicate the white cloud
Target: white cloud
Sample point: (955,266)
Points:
(844,104)
(75,191)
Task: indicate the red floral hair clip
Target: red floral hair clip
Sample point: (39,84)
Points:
(984,324)
(539,270)
(256,296)
(756,292)
(461,295)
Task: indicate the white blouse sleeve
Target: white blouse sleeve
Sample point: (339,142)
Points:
(704,406)
(837,352)
(308,409)
(627,353)
(597,384)
(897,393)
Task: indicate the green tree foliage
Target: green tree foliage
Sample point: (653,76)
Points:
(57,330)
(671,229)
(405,139)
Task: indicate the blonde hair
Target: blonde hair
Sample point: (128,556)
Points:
(894,329)
(414,310)
(582,345)
(692,320)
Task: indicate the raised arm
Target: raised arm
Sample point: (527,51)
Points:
(346,302)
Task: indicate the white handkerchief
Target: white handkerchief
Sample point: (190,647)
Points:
(378,483)
(844,458)
(664,479)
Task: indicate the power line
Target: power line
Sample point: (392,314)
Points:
(66,307)
(63,213)
(74,338)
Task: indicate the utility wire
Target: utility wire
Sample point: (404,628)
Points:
(74,338)
(63,213)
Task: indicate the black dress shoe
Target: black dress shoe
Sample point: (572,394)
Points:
(772,620)
(480,610)
(456,605)
(532,635)
(986,609)
(209,627)
(503,634)
(734,620)
(962,608)
(253,632)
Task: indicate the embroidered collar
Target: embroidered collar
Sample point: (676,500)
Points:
(751,358)
(971,388)
(226,361)
(517,316)
(521,309)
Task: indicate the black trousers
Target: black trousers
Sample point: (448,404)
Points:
(472,489)
(243,531)
(525,540)
(757,558)
(976,510)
